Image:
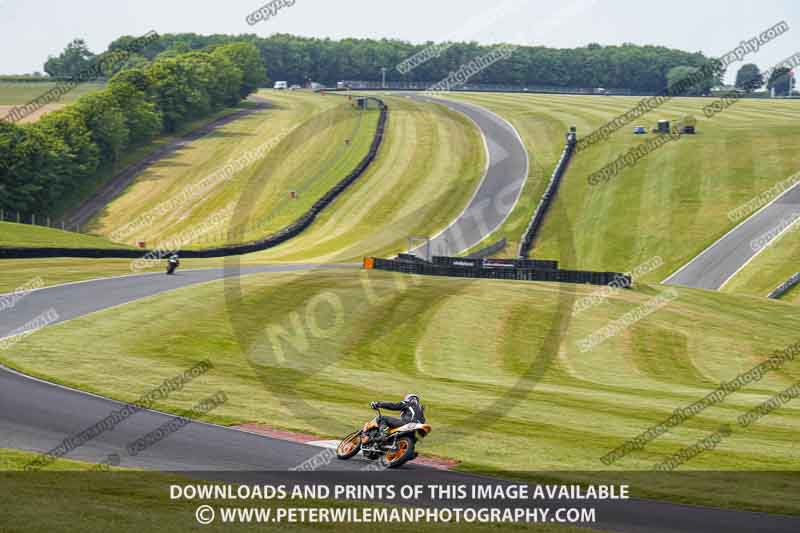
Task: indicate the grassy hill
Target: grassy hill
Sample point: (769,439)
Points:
(493,361)
(295,145)
(26,235)
(425,174)
(673,203)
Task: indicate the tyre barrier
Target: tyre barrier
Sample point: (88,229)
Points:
(488,272)
(289,232)
(784,287)
(535,224)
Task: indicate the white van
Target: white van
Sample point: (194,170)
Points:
(281,85)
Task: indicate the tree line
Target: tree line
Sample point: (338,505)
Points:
(749,79)
(42,161)
(301,59)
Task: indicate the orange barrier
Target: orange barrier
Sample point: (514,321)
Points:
(369,263)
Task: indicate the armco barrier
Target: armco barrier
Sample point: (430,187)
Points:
(519,274)
(549,195)
(785,287)
(275,239)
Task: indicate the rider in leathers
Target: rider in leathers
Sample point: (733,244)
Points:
(410,411)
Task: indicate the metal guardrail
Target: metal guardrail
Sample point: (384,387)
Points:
(535,224)
(785,287)
(482,270)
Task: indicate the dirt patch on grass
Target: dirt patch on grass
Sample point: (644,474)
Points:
(33,117)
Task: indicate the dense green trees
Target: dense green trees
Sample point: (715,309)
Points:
(41,161)
(298,59)
(700,85)
(75,58)
(176,78)
(781,81)
(749,78)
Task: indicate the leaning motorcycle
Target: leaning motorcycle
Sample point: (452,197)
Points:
(172,265)
(394,448)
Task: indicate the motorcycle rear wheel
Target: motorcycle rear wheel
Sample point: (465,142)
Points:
(404,453)
(349,446)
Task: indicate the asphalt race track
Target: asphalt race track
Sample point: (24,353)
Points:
(37,416)
(723,259)
(502,183)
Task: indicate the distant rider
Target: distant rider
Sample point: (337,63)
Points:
(174,263)
(410,411)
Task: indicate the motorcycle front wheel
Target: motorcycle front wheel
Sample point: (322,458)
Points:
(403,452)
(349,446)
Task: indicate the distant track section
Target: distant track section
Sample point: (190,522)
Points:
(500,188)
(718,263)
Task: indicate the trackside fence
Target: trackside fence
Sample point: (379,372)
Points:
(535,224)
(459,268)
(785,287)
(290,231)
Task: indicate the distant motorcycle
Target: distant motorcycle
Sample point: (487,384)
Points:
(394,448)
(173,265)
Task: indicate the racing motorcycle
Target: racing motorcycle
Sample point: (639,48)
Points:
(172,265)
(394,447)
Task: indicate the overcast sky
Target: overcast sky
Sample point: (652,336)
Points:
(30,30)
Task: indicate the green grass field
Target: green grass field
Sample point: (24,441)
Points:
(308,352)
(84,190)
(20,93)
(426,172)
(26,235)
(673,203)
(16,93)
(302,147)
(424,175)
